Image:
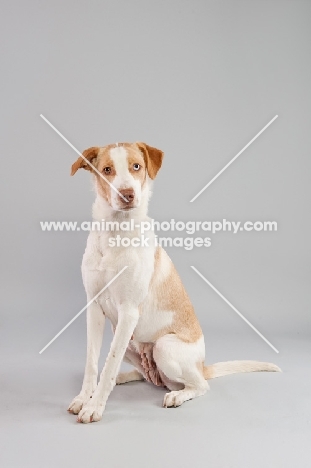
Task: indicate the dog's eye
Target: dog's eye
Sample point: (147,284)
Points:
(136,167)
(107,170)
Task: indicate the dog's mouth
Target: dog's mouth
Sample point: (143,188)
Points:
(127,208)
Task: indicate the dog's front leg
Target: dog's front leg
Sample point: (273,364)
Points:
(95,330)
(94,408)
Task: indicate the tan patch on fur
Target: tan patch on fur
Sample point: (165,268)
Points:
(90,154)
(104,160)
(153,158)
(170,295)
(206,371)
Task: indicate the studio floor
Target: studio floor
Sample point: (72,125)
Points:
(250,420)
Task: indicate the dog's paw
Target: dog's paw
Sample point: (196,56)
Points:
(178,397)
(91,412)
(122,378)
(77,403)
(173,399)
(125,377)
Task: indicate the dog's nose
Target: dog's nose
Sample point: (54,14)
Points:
(128,194)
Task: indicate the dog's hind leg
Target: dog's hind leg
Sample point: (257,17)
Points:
(182,363)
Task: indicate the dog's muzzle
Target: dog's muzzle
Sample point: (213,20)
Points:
(129,195)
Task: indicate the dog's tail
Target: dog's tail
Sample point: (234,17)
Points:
(235,367)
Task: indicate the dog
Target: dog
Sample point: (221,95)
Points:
(154,324)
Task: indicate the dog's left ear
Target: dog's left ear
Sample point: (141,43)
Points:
(90,154)
(153,158)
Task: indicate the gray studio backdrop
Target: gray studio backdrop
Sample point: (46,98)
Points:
(198,80)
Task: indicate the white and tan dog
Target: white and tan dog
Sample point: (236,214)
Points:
(155,327)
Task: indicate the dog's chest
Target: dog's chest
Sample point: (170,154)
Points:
(100,266)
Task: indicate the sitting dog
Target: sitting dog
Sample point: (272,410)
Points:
(155,327)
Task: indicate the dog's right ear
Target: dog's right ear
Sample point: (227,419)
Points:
(90,154)
(153,158)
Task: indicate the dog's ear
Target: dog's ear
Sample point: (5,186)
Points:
(90,154)
(153,158)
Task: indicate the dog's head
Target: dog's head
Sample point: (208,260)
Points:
(122,171)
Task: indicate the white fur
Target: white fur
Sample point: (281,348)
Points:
(124,178)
